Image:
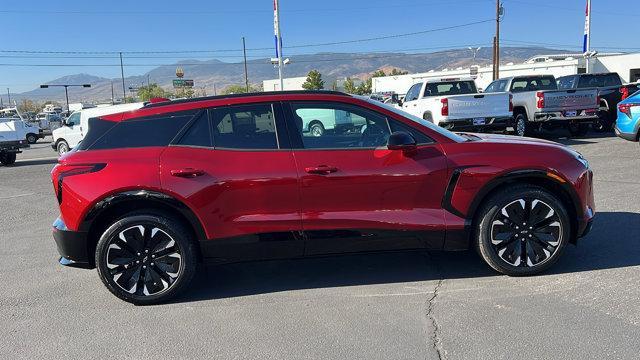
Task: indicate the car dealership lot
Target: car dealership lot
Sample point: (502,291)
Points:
(383,306)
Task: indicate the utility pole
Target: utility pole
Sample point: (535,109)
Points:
(9,96)
(112,97)
(215,92)
(246,75)
(496,43)
(586,47)
(278,36)
(148,80)
(124,90)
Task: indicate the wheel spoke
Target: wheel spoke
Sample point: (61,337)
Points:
(526,232)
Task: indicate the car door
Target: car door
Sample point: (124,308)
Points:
(73,133)
(358,195)
(410,103)
(234,167)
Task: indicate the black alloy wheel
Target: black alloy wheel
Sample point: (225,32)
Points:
(145,259)
(522,230)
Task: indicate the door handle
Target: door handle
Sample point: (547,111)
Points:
(321,170)
(187,173)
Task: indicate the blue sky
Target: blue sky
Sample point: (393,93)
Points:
(161,25)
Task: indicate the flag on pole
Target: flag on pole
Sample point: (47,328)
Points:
(586,45)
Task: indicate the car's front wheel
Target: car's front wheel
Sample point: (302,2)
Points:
(522,230)
(62,147)
(146,259)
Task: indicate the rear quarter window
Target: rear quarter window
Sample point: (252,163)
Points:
(157,130)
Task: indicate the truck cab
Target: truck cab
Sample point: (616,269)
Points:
(456,104)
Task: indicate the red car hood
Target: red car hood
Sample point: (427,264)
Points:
(497,138)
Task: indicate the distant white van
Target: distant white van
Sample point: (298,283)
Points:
(76,126)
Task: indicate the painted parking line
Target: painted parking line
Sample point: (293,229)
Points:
(15,196)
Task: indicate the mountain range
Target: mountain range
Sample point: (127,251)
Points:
(210,74)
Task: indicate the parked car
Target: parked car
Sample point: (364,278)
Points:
(12,140)
(318,121)
(537,103)
(611,91)
(150,193)
(455,104)
(76,126)
(628,122)
(48,122)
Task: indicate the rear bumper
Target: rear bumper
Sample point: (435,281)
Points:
(585,116)
(491,124)
(72,246)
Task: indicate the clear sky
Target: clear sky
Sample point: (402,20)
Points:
(207,25)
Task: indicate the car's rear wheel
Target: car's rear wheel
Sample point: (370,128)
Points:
(316,129)
(522,126)
(146,259)
(522,231)
(62,147)
(7,158)
(32,138)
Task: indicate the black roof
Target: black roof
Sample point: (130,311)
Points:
(232,96)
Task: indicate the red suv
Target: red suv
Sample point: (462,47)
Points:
(151,193)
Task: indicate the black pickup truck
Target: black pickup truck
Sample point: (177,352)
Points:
(611,91)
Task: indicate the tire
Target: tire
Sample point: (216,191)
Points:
(32,138)
(7,158)
(62,147)
(500,238)
(521,125)
(316,129)
(578,129)
(428,117)
(167,266)
(604,123)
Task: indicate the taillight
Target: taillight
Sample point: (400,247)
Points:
(510,103)
(62,171)
(626,108)
(445,107)
(540,102)
(625,92)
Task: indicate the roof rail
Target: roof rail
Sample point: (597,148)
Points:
(231,96)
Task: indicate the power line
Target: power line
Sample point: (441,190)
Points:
(251,49)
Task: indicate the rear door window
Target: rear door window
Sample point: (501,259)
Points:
(156,130)
(244,127)
(199,133)
(496,86)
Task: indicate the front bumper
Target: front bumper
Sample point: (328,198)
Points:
(72,246)
(491,124)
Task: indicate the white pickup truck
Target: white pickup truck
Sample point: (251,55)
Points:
(12,139)
(456,104)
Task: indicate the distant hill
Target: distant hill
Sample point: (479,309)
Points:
(332,66)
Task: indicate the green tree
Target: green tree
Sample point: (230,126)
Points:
(314,81)
(395,72)
(239,89)
(27,105)
(378,73)
(145,93)
(185,92)
(364,88)
(349,87)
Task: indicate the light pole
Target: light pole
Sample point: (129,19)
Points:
(278,36)
(66,87)
(475,52)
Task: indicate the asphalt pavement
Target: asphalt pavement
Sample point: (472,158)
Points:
(383,306)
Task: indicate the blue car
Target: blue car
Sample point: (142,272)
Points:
(628,123)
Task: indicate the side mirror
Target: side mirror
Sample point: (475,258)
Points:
(401,140)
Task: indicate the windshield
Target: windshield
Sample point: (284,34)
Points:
(420,121)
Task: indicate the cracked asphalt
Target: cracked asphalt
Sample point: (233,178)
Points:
(384,306)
